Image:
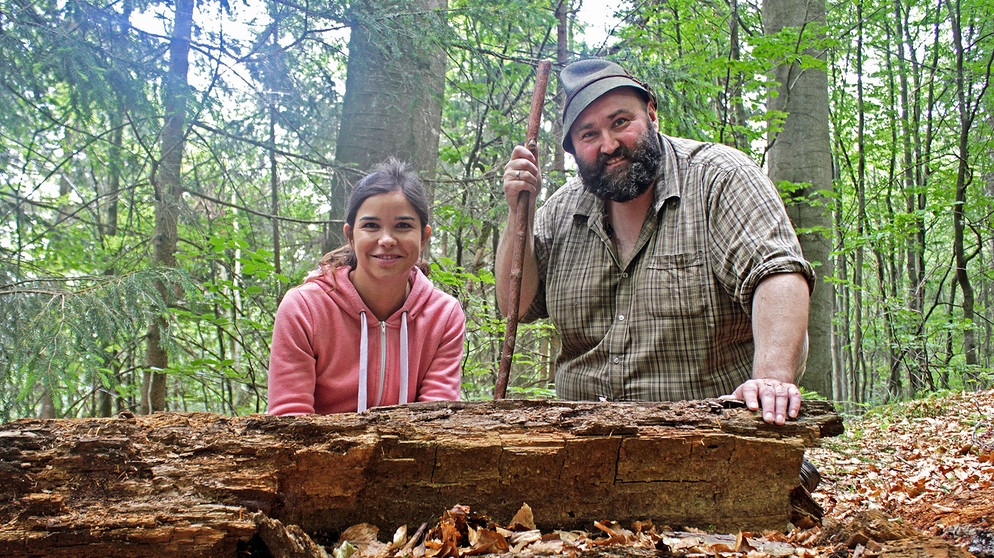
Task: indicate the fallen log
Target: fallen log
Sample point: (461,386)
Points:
(175,484)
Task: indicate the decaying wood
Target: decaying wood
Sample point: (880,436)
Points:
(287,541)
(173,484)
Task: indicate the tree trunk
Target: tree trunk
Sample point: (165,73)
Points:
(920,377)
(964,175)
(733,110)
(393,94)
(563,53)
(167,180)
(987,296)
(913,180)
(801,153)
(105,381)
(172,484)
(843,354)
(859,364)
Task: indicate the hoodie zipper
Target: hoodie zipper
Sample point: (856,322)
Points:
(383,362)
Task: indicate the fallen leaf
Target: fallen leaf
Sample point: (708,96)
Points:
(742,543)
(524,519)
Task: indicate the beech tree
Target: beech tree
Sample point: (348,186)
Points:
(799,152)
(972,75)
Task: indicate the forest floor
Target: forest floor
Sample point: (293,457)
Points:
(929,462)
(907,480)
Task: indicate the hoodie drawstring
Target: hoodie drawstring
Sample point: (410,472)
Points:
(363,364)
(403,397)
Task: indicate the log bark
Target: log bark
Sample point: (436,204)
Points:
(176,484)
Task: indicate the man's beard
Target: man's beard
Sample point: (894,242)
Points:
(629,181)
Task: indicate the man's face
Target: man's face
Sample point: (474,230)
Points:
(617,150)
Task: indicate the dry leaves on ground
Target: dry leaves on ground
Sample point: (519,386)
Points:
(461,532)
(929,462)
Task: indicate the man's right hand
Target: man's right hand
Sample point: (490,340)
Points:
(521,174)
(777,400)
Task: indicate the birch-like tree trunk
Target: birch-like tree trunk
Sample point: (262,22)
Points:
(801,153)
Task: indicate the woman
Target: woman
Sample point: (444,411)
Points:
(368,328)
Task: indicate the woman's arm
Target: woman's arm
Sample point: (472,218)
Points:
(292,363)
(443,380)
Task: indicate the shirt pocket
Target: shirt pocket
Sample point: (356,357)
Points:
(676,286)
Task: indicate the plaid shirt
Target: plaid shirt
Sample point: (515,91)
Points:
(673,323)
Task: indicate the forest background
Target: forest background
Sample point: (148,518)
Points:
(170,169)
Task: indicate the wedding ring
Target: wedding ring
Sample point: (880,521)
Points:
(517,175)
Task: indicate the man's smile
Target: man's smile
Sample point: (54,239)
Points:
(617,159)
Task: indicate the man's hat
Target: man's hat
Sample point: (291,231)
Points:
(586,80)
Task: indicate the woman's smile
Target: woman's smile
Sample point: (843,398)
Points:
(387,238)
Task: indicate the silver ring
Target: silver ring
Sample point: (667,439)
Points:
(517,175)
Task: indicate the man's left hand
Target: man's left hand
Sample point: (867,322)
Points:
(778,400)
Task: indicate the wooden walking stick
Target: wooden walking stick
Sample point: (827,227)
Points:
(518,255)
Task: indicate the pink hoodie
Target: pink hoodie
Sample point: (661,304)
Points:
(331,355)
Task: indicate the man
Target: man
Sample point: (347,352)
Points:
(669,266)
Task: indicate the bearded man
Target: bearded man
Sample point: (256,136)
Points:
(669,267)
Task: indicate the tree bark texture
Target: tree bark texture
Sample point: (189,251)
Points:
(801,153)
(393,94)
(168,183)
(184,485)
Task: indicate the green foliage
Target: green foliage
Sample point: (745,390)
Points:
(707,87)
(74,336)
(808,394)
(930,405)
(81,113)
(897,177)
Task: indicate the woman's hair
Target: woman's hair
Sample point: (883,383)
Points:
(389,176)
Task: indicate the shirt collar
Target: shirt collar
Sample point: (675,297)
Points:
(667,178)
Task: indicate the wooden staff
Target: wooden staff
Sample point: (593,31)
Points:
(518,255)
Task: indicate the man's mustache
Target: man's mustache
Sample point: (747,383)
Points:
(603,158)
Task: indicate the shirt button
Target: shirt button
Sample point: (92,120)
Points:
(617,360)
(621,317)
(624,275)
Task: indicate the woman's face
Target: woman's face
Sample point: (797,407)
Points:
(387,237)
